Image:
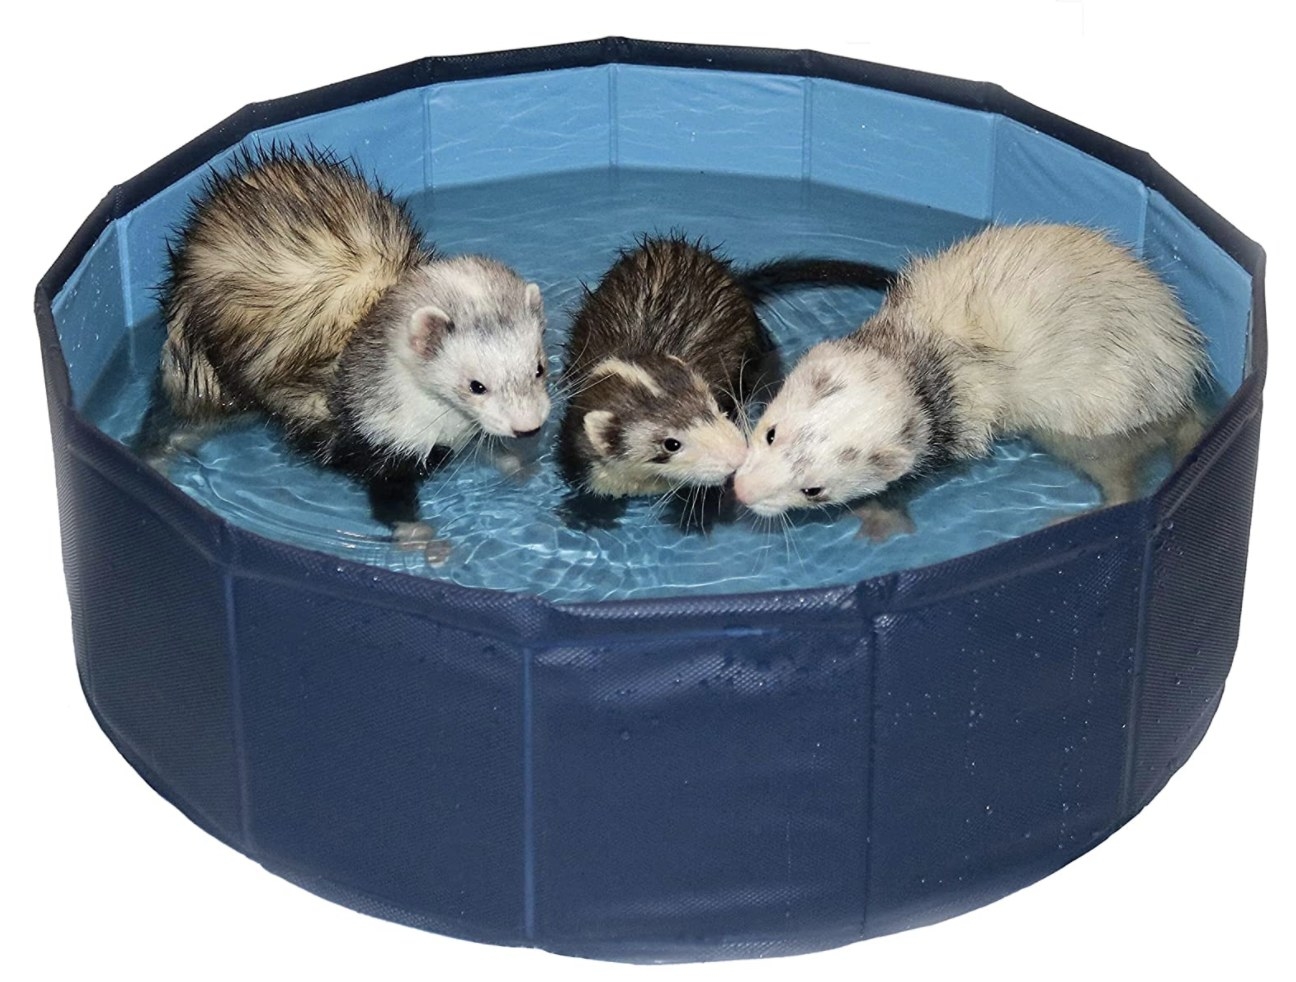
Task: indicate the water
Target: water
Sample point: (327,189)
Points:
(506,532)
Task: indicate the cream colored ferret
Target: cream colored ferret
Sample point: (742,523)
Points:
(1048,330)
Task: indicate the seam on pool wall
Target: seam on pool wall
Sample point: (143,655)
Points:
(1146,200)
(124,272)
(528,801)
(614,147)
(236,711)
(992,172)
(807,131)
(1136,676)
(1197,471)
(427,138)
(1248,359)
(870,777)
(200,545)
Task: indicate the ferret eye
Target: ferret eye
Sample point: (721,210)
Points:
(540,370)
(477,388)
(671,445)
(812,492)
(769,435)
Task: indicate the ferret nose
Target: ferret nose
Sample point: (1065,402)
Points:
(526,433)
(740,488)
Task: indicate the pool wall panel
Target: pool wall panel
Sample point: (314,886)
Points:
(495,128)
(901,147)
(383,750)
(148,597)
(91,312)
(680,119)
(683,779)
(385,137)
(999,729)
(1040,179)
(1194,601)
(1214,290)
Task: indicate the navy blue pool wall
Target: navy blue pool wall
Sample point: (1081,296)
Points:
(721,776)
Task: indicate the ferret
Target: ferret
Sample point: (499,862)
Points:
(300,290)
(1053,331)
(662,356)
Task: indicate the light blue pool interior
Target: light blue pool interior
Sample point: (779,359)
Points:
(552,172)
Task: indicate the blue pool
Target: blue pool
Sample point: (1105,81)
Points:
(635,743)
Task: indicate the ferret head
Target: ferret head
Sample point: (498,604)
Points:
(647,426)
(846,423)
(473,337)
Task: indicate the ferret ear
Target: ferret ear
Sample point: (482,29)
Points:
(892,463)
(600,427)
(427,326)
(533,298)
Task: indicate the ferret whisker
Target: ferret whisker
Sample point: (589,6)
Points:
(790,535)
(659,505)
(695,496)
(472,459)
(765,529)
(787,543)
(766,523)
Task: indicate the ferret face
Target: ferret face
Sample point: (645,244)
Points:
(845,425)
(477,343)
(654,426)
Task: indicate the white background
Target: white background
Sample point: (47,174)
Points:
(100,878)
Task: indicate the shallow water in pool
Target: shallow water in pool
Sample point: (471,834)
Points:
(507,532)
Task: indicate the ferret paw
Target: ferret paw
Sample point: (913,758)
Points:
(159,461)
(421,537)
(437,552)
(515,467)
(587,512)
(878,523)
(1063,519)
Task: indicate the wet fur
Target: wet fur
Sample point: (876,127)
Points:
(1049,330)
(279,260)
(678,323)
(669,297)
(682,333)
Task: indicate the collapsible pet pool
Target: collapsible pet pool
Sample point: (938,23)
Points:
(720,766)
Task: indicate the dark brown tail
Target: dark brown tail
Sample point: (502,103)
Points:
(763,281)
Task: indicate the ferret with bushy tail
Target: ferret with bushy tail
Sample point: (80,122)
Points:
(300,290)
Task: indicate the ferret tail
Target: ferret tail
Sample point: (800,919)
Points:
(163,433)
(763,281)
